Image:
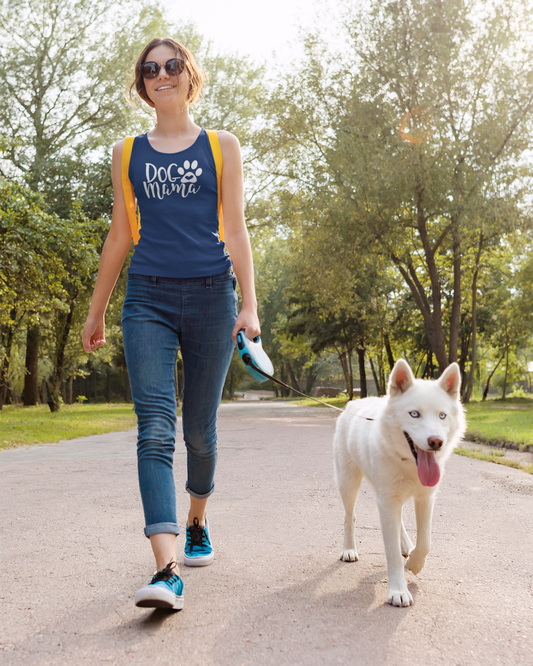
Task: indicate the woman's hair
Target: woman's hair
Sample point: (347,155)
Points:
(195,75)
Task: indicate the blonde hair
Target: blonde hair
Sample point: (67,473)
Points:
(195,75)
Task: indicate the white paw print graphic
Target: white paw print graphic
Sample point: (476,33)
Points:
(189,177)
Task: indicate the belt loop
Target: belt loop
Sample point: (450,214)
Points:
(209,282)
(153,281)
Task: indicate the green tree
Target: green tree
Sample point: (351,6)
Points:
(410,137)
(31,272)
(79,250)
(73,57)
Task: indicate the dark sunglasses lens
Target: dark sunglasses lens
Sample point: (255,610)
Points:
(174,67)
(150,70)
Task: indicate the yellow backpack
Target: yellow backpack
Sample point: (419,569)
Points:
(134,216)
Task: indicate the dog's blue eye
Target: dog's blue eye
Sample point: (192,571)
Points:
(442,415)
(415,415)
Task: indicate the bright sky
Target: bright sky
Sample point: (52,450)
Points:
(249,27)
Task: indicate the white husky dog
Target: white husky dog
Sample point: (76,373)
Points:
(400,443)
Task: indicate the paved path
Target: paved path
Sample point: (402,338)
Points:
(72,555)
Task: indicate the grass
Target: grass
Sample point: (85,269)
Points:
(494,457)
(339,401)
(493,421)
(36,425)
(501,421)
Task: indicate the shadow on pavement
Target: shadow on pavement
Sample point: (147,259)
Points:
(313,623)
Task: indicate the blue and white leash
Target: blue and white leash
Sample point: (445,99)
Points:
(260,366)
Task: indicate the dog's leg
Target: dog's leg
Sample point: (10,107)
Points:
(390,514)
(406,543)
(349,478)
(423,511)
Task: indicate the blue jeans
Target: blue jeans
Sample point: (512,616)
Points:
(161,315)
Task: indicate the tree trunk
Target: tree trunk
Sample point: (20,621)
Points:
(390,357)
(506,371)
(70,383)
(381,370)
(376,379)
(350,374)
(362,371)
(473,358)
(283,391)
(486,391)
(428,368)
(31,378)
(432,320)
(294,381)
(346,371)
(56,379)
(4,372)
(465,347)
(108,384)
(456,302)
(44,393)
(311,380)
(127,389)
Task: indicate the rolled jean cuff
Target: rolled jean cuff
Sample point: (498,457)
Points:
(198,495)
(161,528)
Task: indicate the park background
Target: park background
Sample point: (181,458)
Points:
(388,171)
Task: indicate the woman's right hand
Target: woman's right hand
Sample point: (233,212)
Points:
(93,335)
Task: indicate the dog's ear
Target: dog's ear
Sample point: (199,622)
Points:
(450,381)
(401,378)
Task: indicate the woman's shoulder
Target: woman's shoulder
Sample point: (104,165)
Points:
(229,145)
(119,145)
(227,139)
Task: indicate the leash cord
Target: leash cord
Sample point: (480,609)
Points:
(248,361)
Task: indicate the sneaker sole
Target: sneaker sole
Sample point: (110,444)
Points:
(150,598)
(200,561)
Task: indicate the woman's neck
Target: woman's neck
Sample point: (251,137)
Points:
(173,123)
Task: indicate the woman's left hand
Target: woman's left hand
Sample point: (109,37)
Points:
(248,320)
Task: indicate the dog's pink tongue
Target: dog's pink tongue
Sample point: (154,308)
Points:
(427,468)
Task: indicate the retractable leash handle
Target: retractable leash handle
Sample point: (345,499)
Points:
(260,366)
(254,357)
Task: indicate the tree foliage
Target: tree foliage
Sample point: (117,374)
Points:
(412,142)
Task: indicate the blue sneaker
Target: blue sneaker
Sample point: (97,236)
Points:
(165,591)
(198,549)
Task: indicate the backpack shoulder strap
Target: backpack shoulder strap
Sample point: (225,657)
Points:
(217,154)
(127,187)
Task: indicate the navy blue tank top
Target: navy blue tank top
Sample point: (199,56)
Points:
(177,197)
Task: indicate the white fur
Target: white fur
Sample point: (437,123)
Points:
(379,450)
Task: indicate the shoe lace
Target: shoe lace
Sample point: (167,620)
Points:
(197,534)
(165,574)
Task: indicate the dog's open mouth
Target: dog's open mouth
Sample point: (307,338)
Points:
(426,463)
(411,445)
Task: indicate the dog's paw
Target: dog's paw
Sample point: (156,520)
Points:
(415,563)
(349,555)
(397,597)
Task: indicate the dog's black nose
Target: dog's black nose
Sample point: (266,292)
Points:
(435,443)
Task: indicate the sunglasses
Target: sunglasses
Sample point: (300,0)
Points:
(173,67)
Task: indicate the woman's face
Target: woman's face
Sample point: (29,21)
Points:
(165,89)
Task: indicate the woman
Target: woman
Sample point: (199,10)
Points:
(180,294)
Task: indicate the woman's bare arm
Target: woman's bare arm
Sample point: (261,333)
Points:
(236,235)
(114,252)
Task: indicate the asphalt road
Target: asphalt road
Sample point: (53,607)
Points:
(72,555)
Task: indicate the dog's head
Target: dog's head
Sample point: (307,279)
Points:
(429,415)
